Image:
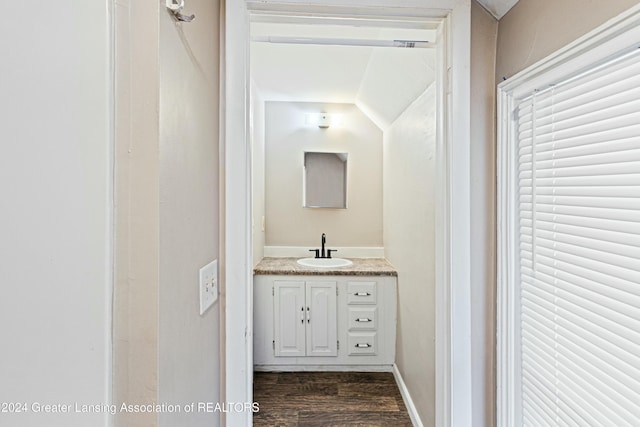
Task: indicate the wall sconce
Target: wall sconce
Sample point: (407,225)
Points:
(323,120)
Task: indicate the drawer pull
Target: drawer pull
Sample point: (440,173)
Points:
(363,319)
(362,294)
(365,345)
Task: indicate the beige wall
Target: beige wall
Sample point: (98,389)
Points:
(135,311)
(409,241)
(530,31)
(166,209)
(287,137)
(484,29)
(533,29)
(188,343)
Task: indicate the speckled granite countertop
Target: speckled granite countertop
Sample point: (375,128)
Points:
(360,267)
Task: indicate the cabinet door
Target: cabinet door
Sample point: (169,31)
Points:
(322,327)
(290,318)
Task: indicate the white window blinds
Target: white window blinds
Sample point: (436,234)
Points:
(579,249)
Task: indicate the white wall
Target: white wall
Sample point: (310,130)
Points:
(394,78)
(287,137)
(409,241)
(55,210)
(188,343)
(257,172)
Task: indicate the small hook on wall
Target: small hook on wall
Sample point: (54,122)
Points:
(176,6)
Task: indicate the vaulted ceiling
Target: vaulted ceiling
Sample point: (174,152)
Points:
(383,82)
(498,8)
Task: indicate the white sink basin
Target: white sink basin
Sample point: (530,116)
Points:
(324,262)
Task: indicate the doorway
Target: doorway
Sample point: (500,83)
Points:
(452,196)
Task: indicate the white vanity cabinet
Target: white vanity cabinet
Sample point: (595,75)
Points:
(307,322)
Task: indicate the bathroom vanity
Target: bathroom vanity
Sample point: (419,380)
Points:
(324,319)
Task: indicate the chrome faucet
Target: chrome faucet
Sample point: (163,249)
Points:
(321,253)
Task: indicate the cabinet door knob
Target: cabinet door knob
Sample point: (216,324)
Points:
(363,319)
(302,315)
(365,345)
(362,294)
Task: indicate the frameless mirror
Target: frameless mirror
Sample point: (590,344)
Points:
(325,180)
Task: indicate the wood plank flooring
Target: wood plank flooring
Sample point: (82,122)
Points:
(328,399)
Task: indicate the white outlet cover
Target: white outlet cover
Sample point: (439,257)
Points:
(208,285)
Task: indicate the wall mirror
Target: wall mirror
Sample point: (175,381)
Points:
(325,180)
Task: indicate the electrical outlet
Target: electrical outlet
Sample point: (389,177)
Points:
(208,285)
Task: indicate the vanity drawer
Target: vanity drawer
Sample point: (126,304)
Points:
(363,343)
(363,318)
(361,292)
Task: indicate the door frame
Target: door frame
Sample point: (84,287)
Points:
(453,305)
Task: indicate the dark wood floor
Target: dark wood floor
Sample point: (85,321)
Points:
(328,399)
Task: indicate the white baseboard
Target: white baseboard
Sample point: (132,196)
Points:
(408,402)
(323,368)
(303,251)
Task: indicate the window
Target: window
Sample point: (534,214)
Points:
(569,286)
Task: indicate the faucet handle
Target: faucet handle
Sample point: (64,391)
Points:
(329,252)
(317,251)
